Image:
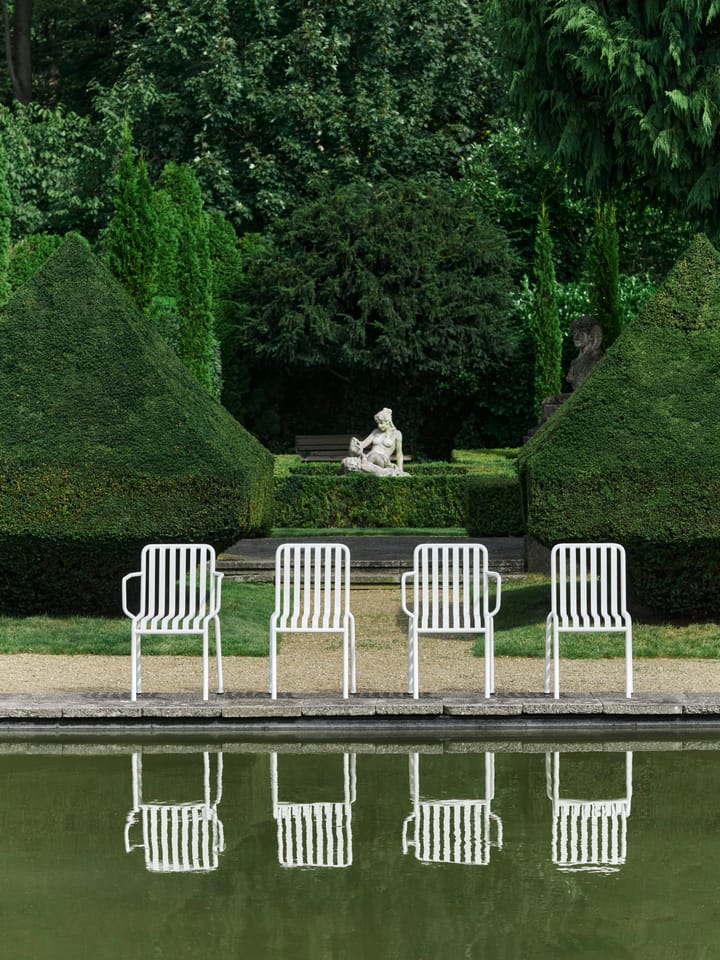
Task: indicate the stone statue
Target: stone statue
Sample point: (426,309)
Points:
(587,337)
(379,453)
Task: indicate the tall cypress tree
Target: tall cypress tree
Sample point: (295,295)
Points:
(545,322)
(197,345)
(130,241)
(5,209)
(603,273)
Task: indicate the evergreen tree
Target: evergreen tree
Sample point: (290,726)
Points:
(130,241)
(5,210)
(603,273)
(545,321)
(197,344)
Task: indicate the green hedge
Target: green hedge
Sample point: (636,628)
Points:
(106,443)
(493,507)
(490,505)
(633,456)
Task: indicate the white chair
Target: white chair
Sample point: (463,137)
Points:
(588,835)
(588,594)
(179,594)
(178,837)
(315,834)
(452,831)
(450,594)
(312,595)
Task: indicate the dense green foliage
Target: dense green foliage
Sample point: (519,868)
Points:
(545,320)
(274,101)
(27,256)
(621,91)
(58,173)
(632,455)
(603,274)
(130,240)
(399,295)
(106,443)
(5,214)
(493,507)
(191,276)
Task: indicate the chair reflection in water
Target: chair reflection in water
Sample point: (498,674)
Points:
(452,831)
(315,834)
(178,837)
(588,835)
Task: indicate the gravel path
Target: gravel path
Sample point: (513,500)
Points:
(308,664)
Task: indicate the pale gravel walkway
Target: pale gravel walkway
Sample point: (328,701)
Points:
(312,664)
(309,664)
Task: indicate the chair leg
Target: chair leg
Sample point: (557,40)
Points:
(413,670)
(548,629)
(135,676)
(218,656)
(353,664)
(628,663)
(205,656)
(346,656)
(273,663)
(556,662)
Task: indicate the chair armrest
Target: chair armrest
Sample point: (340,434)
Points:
(403,592)
(498,590)
(129,824)
(218,590)
(125,580)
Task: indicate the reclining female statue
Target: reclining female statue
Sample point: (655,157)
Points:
(385,446)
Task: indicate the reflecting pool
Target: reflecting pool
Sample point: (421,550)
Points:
(418,851)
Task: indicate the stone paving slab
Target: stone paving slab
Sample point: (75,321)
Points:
(186,709)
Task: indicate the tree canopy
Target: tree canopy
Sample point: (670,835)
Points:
(622,91)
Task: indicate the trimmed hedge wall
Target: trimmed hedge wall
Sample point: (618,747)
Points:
(634,455)
(487,506)
(106,443)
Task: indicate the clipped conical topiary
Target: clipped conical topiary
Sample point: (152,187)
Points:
(106,443)
(634,455)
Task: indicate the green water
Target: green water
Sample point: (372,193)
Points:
(70,890)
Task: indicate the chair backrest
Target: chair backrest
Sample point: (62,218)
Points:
(454,831)
(178,837)
(181,837)
(588,585)
(177,583)
(314,834)
(450,584)
(590,834)
(312,586)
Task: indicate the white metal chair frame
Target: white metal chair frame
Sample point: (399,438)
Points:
(312,595)
(183,837)
(317,834)
(588,835)
(450,588)
(452,831)
(180,593)
(588,594)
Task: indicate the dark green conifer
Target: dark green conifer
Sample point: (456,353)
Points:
(197,344)
(603,273)
(130,241)
(545,321)
(5,208)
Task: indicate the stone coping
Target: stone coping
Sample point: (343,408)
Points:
(443,711)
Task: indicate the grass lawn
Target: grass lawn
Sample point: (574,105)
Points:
(247,607)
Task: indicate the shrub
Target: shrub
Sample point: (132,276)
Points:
(632,455)
(493,507)
(106,443)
